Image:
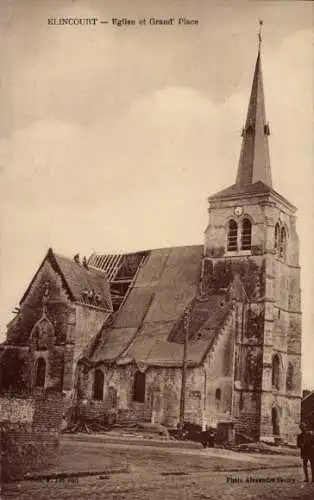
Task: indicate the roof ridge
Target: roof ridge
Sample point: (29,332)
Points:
(176,247)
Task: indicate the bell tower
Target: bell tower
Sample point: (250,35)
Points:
(252,234)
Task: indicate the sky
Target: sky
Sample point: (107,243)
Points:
(112,138)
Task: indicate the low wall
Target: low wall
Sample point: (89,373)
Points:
(92,409)
(30,432)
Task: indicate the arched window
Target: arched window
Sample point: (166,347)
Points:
(40,373)
(232,236)
(275,379)
(246,236)
(139,387)
(98,385)
(283,243)
(277,237)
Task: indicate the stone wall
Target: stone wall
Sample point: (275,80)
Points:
(277,292)
(282,331)
(31,308)
(30,431)
(163,389)
(162,393)
(246,407)
(88,322)
(218,372)
(40,330)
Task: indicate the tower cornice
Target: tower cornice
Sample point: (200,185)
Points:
(266,195)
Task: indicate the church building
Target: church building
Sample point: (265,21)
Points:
(111,331)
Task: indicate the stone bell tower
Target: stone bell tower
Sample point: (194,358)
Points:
(252,234)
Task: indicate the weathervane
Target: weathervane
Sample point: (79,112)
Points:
(260,34)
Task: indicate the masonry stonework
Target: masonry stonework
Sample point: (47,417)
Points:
(30,432)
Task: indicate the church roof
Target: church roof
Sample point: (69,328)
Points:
(148,328)
(76,279)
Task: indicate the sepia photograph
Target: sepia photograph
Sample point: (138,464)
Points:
(156,257)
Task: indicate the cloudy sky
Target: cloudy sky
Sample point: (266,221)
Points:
(112,138)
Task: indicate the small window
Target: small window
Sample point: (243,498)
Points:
(218,395)
(99,385)
(40,373)
(246,235)
(276,372)
(232,236)
(139,387)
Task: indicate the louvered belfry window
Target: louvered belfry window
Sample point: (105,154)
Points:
(246,237)
(232,236)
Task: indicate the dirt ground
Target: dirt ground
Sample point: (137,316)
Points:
(164,473)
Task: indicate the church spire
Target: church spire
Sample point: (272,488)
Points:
(254,163)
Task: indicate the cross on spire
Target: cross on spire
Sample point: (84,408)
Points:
(260,34)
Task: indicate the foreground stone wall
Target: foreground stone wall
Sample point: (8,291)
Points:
(30,432)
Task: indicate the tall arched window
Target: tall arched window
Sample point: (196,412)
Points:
(277,237)
(246,236)
(283,243)
(40,377)
(232,236)
(98,385)
(139,387)
(275,379)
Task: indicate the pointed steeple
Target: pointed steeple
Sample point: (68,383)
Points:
(254,163)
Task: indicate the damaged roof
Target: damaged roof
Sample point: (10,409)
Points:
(77,279)
(148,328)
